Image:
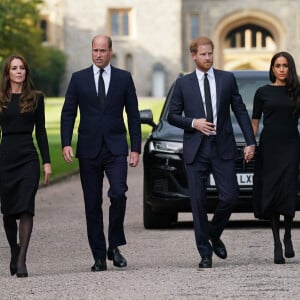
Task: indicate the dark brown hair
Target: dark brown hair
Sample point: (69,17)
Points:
(28,100)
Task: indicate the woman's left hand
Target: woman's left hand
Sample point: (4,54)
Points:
(47,172)
(249,153)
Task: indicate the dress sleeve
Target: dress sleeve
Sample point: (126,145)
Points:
(40,130)
(257,105)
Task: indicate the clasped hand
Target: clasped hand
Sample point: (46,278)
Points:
(205,127)
(208,128)
(249,152)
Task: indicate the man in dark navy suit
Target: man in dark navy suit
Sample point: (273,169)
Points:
(102,92)
(201,106)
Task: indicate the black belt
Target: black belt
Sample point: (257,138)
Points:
(212,137)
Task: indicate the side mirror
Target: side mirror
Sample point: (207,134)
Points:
(146,117)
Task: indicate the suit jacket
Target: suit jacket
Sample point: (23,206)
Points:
(187,99)
(101,124)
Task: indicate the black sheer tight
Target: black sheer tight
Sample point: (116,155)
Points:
(18,252)
(275,223)
(11,230)
(25,229)
(287,240)
(287,227)
(278,253)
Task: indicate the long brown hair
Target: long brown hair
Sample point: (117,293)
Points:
(292,81)
(28,99)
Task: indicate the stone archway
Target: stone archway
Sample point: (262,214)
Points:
(251,58)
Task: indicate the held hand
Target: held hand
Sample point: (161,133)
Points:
(205,127)
(249,153)
(134,159)
(47,172)
(67,154)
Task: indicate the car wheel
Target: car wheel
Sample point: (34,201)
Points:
(157,220)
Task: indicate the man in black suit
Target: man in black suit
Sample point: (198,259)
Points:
(101,92)
(201,106)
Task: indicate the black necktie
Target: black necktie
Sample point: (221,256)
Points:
(101,88)
(209,109)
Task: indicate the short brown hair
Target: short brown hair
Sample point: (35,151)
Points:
(201,40)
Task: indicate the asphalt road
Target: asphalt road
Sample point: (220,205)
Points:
(162,264)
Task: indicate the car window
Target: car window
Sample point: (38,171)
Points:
(248,87)
(248,84)
(165,109)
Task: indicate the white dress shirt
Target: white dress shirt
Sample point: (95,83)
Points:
(106,76)
(213,91)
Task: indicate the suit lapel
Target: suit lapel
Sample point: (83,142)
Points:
(91,81)
(218,88)
(196,90)
(111,82)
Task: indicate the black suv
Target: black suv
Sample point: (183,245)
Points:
(165,182)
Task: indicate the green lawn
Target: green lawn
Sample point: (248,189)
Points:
(53,109)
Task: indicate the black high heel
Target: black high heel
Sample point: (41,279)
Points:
(278,254)
(14,260)
(288,248)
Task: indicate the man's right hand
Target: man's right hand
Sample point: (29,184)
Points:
(205,127)
(67,153)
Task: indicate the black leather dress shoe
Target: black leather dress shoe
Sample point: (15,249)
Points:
(117,258)
(206,262)
(219,247)
(100,265)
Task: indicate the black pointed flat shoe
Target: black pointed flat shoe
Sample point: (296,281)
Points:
(22,272)
(22,275)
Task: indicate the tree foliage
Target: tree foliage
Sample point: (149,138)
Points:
(48,76)
(20,33)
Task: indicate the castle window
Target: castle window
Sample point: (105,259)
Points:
(44,29)
(114,60)
(120,22)
(194,25)
(128,63)
(249,36)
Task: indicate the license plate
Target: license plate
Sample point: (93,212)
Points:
(242,179)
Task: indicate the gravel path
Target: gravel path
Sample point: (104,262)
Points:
(162,264)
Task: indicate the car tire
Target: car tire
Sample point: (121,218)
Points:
(157,220)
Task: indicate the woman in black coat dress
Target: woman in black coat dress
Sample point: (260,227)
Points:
(277,159)
(21,111)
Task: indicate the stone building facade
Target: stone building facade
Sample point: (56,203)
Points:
(151,37)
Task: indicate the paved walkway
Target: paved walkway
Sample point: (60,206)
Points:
(162,264)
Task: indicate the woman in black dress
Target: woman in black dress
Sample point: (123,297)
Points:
(21,110)
(277,158)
